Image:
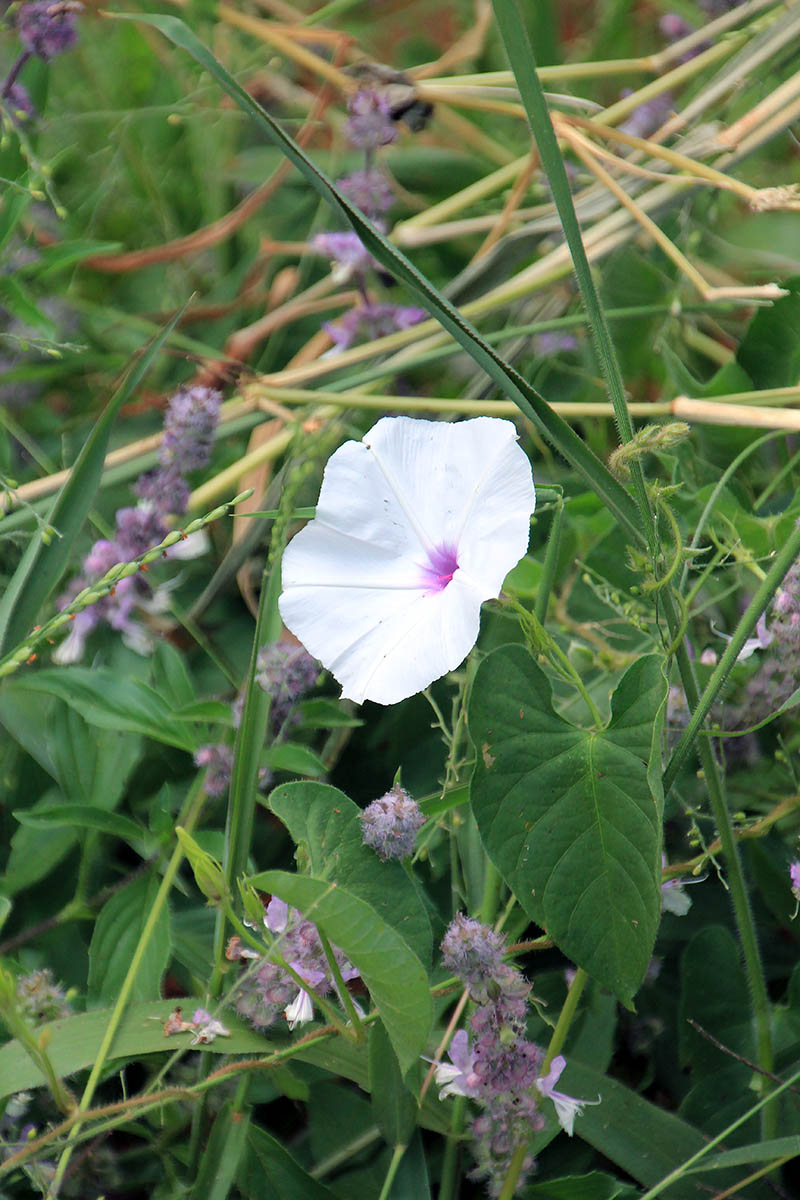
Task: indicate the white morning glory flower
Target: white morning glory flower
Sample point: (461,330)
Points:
(417,524)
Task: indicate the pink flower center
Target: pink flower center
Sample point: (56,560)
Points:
(440,568)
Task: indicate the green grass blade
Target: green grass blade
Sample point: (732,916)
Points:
(43,564)
(523,64)
(530,403)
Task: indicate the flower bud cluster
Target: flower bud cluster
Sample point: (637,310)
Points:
(189,425)
(391,823)
(501,1069)
(40,999)
(266,990)
(47,28)
(501,1066)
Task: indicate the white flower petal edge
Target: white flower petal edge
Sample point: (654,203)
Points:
(416,526)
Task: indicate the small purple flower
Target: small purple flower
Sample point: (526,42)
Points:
(189,426)
(207,1028)
(369,190)
(458,1077)
(370,123)
(391,823)
(218,762)
(566,1107)
(673,896)
(545,345)
(47,27)
(794,878)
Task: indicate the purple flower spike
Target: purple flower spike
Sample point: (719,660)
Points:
(47,27)
(390,824)
(189,426)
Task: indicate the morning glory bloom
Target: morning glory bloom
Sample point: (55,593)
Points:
(417,524)
(567,1108)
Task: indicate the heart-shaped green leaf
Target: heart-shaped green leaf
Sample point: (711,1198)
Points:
(572,819)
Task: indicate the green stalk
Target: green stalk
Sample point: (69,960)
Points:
(397,1158)
(550,561)
(193,806)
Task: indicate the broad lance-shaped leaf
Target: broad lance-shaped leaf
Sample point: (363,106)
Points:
(397,980)
(326,823)
(572,819)
(534,406)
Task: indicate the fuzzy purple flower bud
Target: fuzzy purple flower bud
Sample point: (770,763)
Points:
(218,762)
(474,953)
(347,253)
(369,190)
(371,321)
(164,490)
(674,27)
(286,672)
(47,27)
(545,345)
(370,123)
(648,117)
(390,824)
(138,530)
(17,103)
(40,999)
(189,426)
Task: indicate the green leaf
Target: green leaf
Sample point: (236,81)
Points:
(112,701)
(222,1155)
(393,1105)
(294,757)
(36,852)
(325,714)
(83,816)
(742,1156)
(42,565)
(723,1010)
(73,1042)
(92,768)
(530,403)
(770,349)
(326,824)
(594,1186)
(640,1138)
(270,1172)
(115,937)
(572,819)
(397,981)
